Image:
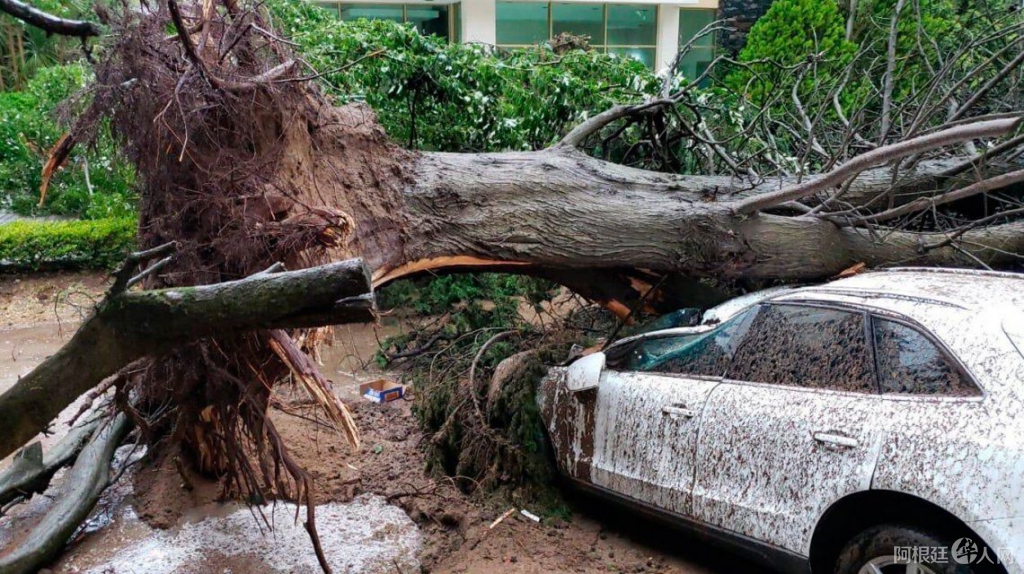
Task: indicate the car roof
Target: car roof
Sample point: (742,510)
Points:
(968,290)
(933,296)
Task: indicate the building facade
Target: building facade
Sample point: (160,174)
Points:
(649,30)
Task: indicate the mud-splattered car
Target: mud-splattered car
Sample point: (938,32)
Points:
(870,425)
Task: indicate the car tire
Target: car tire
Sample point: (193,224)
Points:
(877,546)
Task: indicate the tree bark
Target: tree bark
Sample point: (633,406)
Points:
(81,489)
(48,22)
(561,210)
(130,325)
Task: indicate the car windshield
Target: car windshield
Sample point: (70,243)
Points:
(659,353)
(646,354)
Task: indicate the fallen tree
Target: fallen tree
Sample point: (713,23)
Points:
(244,162)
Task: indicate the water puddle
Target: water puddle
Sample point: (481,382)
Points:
(364,535)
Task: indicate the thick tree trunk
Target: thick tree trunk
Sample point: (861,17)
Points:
(561,210)
(605,230)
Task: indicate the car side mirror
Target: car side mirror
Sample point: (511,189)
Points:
(585,373)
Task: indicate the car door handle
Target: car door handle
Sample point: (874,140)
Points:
(678,411)
(836,440)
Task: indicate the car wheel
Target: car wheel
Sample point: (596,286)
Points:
(873,551)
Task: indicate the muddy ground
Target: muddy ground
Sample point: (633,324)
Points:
(155,517)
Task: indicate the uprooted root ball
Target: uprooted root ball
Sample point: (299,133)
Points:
(237,161)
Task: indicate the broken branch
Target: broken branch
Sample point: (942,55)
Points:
(30,472)
(129,325)
(82,487)
(986,185)
(958,134)
(48,22)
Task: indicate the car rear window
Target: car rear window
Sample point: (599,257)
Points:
(911,364)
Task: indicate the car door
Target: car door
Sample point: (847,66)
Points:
(942,420)
(793,428)
(648,411)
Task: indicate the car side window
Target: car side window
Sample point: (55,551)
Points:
(806,346)
(704,354)
(909,363)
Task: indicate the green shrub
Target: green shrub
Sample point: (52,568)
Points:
(438,294)
(94,244)
(793,29)
(29,129)
(790,32)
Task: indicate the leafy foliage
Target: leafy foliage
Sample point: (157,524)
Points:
(491,436)
(459,97)
(791,30)
(25,49)
(507,448)
(482,299)
(95,244)
(29,129)
(788,34)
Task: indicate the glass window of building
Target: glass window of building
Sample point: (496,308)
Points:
(627,30)
(522,23)
(578,19)
(428,19)
(632,25)
(437,19)
(691,22)
(372,12)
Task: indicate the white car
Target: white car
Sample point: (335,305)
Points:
(871,425)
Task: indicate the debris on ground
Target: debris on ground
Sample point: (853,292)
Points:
(454,528)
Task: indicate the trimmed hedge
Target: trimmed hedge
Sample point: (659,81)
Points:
(90,244)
